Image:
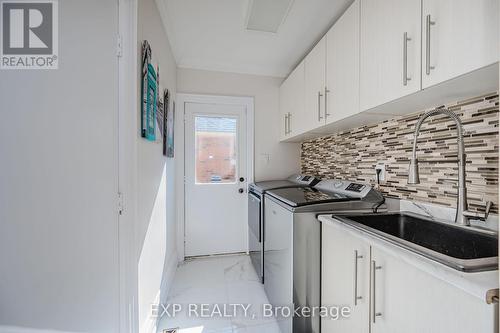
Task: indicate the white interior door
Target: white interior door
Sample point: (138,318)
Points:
(215,179)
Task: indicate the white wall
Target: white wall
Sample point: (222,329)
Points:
(284,158)
(156,228)
(58,181)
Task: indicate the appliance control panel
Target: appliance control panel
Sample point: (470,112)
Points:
(345,187)
(304,180)
(355,187)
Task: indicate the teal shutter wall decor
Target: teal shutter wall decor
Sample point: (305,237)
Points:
(149,95)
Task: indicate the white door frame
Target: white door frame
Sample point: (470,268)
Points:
(127,163)
(181,101)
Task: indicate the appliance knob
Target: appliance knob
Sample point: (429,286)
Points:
(338,184)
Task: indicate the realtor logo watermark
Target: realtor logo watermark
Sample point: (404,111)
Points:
(29,34)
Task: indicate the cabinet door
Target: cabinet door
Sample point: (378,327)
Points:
(459,36)
(393,288)
(285,103)
(342,66)
(407,299)
(315,73)
(390,50)
(292,102)
(345,279)
(296,98)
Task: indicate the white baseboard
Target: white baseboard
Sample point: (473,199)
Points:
(15,329)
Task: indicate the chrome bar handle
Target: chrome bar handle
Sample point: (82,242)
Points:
(428,25)
(405,59)
(286,124)
(319,105)
(289,123)
(356,258)
(326,103)
(375,314)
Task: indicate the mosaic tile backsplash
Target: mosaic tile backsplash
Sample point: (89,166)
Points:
(353,155)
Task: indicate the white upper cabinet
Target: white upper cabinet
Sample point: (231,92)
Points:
(380,57)
(459,36)
(315,73)
(297,107)
(342,66)
(292,102)
(285,101)
(390,50)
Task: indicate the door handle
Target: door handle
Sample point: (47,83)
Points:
(356,258)
(289,123)
(326,103)
(406,39)
(428,25)
(319,105)
(241,190)
(375,314)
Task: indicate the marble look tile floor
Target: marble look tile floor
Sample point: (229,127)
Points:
(218,280)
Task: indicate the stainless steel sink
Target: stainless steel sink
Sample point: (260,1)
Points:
(463,248)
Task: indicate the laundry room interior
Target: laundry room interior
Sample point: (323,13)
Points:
(244,166)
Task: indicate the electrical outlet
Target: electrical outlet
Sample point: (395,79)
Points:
(381,173)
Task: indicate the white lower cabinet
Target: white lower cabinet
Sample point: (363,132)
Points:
(402,297)
(407,299)
(345,279)
(397,294)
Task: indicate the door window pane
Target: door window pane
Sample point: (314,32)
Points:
(215,160)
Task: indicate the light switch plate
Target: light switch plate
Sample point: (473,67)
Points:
(266,158)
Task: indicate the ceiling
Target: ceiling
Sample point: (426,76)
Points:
(212,34)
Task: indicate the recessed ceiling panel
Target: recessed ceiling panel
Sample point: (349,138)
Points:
(214,34)
(267,15)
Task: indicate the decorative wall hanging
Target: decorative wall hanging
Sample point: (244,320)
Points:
(149,95)
(159,109)
(170,130)
(160,119)
(166,104)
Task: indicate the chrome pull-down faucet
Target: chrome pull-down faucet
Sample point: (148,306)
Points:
(463,216)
